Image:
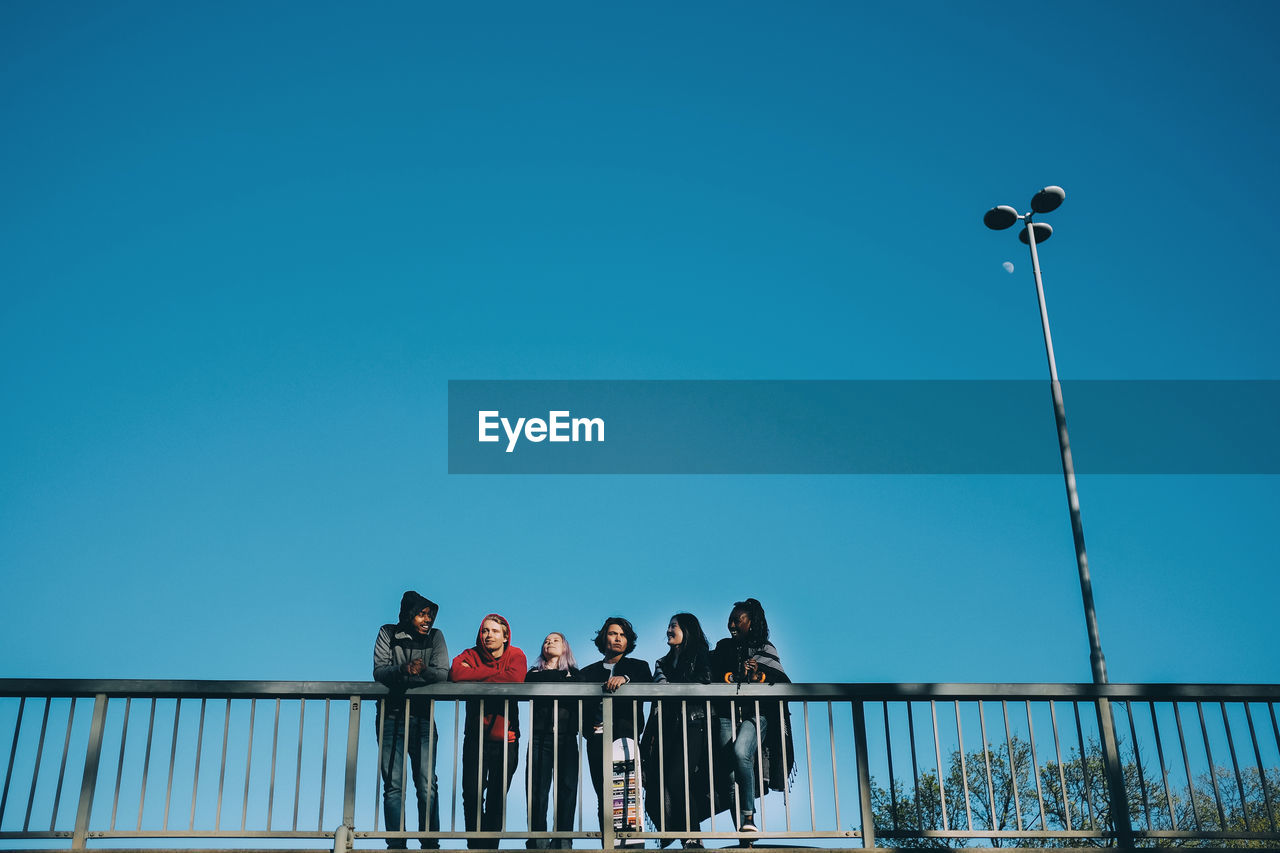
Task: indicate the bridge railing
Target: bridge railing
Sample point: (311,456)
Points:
(232,764)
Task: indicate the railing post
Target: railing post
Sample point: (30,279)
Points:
(864,775)
(349,790)
(89,783)
(1119,797)
(606,785)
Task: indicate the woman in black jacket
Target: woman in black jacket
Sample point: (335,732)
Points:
(754,736)
(554,745)
(677,731)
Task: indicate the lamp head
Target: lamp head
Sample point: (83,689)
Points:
(1000,218)
(1047,200)
(1043,231)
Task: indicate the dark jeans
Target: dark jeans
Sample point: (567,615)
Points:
(485,786)
(559,759)
(422,759)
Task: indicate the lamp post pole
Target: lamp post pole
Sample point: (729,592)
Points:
(999,218)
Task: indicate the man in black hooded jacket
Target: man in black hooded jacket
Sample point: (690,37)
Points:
(409,653)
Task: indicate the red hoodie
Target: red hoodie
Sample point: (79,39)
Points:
(476,664)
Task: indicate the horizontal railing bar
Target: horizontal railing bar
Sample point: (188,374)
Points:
(875,692)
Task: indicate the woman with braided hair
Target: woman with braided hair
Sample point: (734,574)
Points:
(745,728)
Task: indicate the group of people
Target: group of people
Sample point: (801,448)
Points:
(749,742)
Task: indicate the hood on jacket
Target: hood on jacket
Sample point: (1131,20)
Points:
(413,603)
(506,628)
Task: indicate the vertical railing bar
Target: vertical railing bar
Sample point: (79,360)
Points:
(222,767)
(1137,761)
(786,787)
(1013,765)
(606,765)
(835,781)
(662,780)
(808,766)
(404,764)
(937,754)
(124,734)
(555,765)
(915,769)
(62,766)
(297,780)
(479,801)
(684,741)
(195,780)
(893,786)
(528,766)
(377,789)
(1062,777)
(711,772)
(1231,746)
(637,709)
(433,788)
(349,773)
(89,779)
(760,791)
(146,763)
(324,767)
(986,760)
(1187,766)
(1262,773)
(173,756)
(737,783)
(248,764)
(1164,771)
(13,753)
(964,767)
(271,785)
(580,773)
(453,790)
(1084,764)
(1213,769)
(35,772)
(867,819)
(1035,766)
(506,761)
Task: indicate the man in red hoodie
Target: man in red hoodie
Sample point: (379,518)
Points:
(490,726)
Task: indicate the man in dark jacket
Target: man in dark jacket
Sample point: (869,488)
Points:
(615,640)
(409,653)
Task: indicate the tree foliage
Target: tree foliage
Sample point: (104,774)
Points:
(982,791)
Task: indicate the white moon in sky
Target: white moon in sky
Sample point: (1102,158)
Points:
(1008,266)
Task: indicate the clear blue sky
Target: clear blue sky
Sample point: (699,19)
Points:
(244,247)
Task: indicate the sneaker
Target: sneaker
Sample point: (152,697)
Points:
(691,844)
(747,824)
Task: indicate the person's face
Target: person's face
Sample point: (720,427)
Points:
(615,640)
(674,635)
(739,623)
(422,620)
(552,646)
(492,637)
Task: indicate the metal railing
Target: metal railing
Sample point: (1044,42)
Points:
(230,764)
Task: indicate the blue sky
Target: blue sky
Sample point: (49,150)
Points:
(243,249)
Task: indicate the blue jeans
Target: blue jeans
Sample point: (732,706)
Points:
(739,756)
(422,759)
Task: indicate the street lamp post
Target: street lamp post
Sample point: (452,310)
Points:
(999,218)
(1033,233)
